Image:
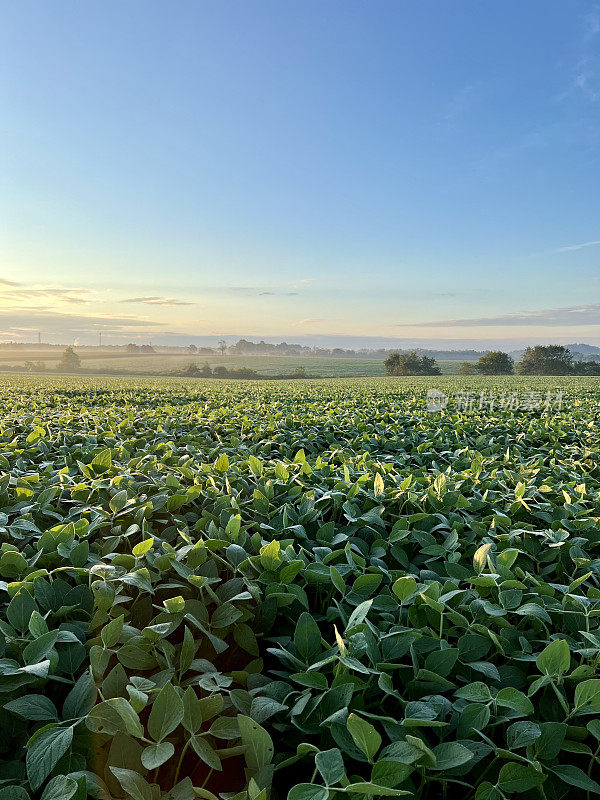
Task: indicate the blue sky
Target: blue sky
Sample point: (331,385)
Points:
(422,170)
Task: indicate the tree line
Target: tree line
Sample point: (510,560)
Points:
(552,359)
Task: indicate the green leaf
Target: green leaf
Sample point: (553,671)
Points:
(118,502)
(192,711)
(141,548)
(112,631)
(221,465)
(166,713)
(308,791)
(593,727)
(270,555)
(420,752)
(205,751)
(587,695)
(547,747)
(390,773)
(331,765)
(516,778)
(259,745)
(364,735)
(404,587)
(37,624)
(81,698)
(14,793)
(477,692)
(506,558)
(473,717)
(174,605)
(34,707)
(522,734)
(227,727)
(554,659)
(451,754)
(20,609)
(481,556)
(487,791)
(374,790)
(103,461)
(573,776)
(156,754)
(40,648)
(307,638)
(255,465)
(44,753)
(188,651)
(358,616)
(225,615)
(60,788)
(113,716)
(133,783)
(515,700)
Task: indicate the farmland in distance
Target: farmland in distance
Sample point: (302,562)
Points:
(164,363)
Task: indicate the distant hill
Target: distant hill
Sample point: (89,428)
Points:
(247,347)
(580,351)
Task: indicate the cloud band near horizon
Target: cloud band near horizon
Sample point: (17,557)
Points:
(571,315)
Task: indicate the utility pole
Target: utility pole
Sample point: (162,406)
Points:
(100,339)
(39,337)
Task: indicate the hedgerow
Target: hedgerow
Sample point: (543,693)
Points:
(303,590)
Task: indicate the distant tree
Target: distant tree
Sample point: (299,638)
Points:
(192,348)
(191,370)
(131,347)
(69,360)
(495,363)
(467,368)
(552,359)
(299,372)
(220,372)
(222,347)
(206,371)
(411,364)
(586,368)
(147,348)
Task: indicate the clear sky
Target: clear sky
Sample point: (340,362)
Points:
(394,168)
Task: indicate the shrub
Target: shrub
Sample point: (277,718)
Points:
(410,364)
(495,363)
(552,359)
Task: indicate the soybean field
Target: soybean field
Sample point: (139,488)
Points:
(306,590)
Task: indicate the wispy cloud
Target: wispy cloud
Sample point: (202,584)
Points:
(585,80)
(279,294)
(311,320)
(262,291)
(592,22)
(14,322)
(570,315)
(585,72)
(158,301)
(460,104)
(19,292)
(7,282)
(569,247)
(302,283)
